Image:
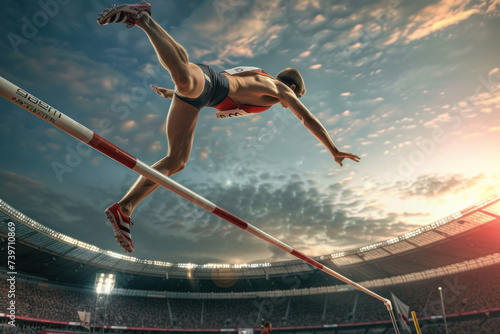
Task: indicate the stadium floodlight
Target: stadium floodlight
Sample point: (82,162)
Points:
(104,284)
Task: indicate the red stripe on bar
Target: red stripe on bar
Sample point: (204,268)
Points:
(307,259)
(228,216)
(112,151)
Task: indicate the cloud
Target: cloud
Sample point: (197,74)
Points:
(488,98)
(55,209)
(369,102)
(243,30)
(437,17)
(298,210)
(318,18)
(78,74)
(438,121)
(251,29)
(128,125)
(434,186)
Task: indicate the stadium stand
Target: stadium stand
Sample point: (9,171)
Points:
(460,253)
(465,292)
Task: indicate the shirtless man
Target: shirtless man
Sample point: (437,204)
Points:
(236,92)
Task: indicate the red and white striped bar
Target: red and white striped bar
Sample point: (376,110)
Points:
(54,117)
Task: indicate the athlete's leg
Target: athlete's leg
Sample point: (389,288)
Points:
(188,78)
(181,123)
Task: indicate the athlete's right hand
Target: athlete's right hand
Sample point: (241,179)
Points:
(163,92)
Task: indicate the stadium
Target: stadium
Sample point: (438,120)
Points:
(457,256)
(383,175)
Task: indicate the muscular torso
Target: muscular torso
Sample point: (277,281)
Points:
(252,89)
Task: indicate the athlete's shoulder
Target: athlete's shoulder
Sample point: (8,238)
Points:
(283,89)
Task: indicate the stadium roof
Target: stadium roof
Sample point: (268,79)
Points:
(465,235)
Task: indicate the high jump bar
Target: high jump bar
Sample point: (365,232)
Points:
(37,107)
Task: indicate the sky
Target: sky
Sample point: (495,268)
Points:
(412,87)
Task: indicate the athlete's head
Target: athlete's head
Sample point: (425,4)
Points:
(268,326)
(292,78)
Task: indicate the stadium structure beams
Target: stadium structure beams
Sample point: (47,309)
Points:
(474,229)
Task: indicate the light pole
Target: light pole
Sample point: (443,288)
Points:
(104,284)
(442,305)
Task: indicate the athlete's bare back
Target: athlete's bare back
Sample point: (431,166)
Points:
(254,89)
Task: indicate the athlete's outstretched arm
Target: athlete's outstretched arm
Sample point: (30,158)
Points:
(164,92)
(290,100)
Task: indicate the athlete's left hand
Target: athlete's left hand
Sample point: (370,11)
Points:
(340,156)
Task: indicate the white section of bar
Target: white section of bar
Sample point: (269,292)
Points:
(269,238)
(163,180)
(44,111)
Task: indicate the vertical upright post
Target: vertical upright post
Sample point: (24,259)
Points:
(170,314)
(202,310)
(444,312)
(415,322)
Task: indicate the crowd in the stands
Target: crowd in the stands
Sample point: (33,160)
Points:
(471,291)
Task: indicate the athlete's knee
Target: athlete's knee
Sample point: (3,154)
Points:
(184,84)
(179,165)
(172,164)
(188,79)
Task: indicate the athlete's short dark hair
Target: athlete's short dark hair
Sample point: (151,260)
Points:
(267,324)
(291,76)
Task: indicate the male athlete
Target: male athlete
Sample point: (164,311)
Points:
(236,92)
